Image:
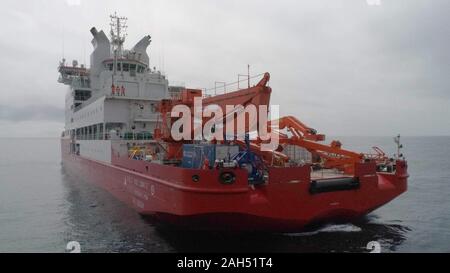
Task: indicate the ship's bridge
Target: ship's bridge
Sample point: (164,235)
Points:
(131,66)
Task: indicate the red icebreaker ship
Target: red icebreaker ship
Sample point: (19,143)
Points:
(124,143)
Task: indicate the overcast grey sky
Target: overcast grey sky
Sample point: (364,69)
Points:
(342,66)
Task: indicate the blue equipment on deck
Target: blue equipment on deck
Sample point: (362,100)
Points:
(246,159)
(194,155)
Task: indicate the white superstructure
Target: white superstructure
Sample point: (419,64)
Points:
(117,93)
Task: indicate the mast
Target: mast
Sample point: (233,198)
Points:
(118,35)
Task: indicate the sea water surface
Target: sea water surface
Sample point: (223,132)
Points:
(42,209)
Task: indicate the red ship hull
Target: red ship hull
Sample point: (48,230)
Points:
(284,204)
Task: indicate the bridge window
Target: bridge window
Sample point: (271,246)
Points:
(82,95)
(132,70)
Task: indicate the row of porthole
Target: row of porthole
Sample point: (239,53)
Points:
(226,178)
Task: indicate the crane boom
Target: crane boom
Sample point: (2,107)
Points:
(301,135)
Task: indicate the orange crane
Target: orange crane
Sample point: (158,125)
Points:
(330,156)
(256,95)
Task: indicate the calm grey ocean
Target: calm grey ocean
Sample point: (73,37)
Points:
(42,209)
